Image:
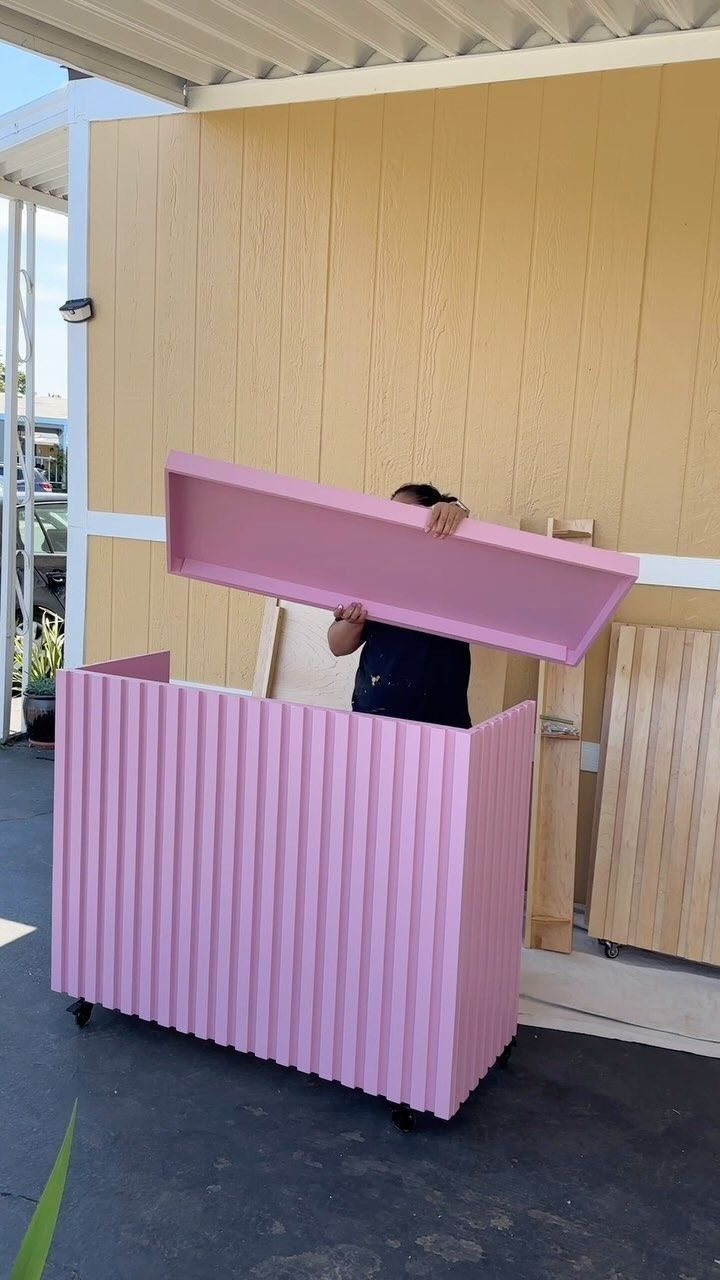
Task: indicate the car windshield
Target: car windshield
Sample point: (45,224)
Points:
(55,521)
(50,529)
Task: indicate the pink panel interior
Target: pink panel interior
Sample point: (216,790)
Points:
(307,543)
(147,666)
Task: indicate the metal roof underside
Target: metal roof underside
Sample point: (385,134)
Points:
(165,47)
(34,152)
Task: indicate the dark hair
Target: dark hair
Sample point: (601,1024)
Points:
(426,495)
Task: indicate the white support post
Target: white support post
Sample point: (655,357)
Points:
(27,444)
(79,160)
(8,570)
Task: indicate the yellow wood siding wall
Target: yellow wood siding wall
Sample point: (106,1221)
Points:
(512,291)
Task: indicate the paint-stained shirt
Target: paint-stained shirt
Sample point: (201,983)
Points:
(410,675)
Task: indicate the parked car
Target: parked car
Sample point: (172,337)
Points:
(50,546)
(42,484)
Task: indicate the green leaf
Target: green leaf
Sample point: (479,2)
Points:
(30,1262)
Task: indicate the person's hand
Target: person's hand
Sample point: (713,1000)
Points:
(355,613)
(445,518)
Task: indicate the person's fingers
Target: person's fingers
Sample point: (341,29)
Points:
(338,613)
(453,520)
(432,520)
(443,523)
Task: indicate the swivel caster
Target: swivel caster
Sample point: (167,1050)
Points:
(612,950)
(506,1054)
(403,1119)
(81,1010)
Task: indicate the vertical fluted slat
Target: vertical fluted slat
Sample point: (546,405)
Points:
(382,838)
(206,856)
(405,862)
(347,1026)
(286,978)
(308,1021)
(165,944)
(116,747)
(92,856)
(185,860)
(145,868)
(336,801)
(423,1029)
(132,693)
(232,797)
(252,777)
(450,946)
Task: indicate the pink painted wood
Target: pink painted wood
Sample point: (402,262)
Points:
(319,546)
(336,892)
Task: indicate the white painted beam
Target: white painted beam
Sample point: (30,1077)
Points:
(481,68)
(14,191)
(85,55)
(691,572)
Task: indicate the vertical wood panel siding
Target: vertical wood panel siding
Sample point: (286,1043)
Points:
(511,290)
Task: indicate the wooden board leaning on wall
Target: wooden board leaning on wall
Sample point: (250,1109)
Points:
(556,790)
(655,873)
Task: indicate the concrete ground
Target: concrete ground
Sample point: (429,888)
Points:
(586,1158)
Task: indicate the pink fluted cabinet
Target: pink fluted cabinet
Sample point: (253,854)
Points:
(337,892)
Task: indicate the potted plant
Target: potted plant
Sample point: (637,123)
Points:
(39,694)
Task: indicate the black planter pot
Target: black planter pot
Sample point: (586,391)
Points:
(39,712)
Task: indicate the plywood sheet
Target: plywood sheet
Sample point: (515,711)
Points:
(656,872)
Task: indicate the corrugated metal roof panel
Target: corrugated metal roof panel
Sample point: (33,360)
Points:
(163,49)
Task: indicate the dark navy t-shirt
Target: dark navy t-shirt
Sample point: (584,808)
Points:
(411,675)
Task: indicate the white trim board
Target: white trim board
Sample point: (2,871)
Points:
(117,524)
(480,68)
(16,191)
(655,571)
(679,571)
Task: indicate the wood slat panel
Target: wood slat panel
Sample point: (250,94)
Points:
(259,342)
(658,845)
(560,237)
(351,289)
(102,247)
(307,230)
(130,598)
(672,300)
(399,274)
(98,622)
(134,396)
(216,321)
(450,261)
(507,218)
(627,123)
(176,271)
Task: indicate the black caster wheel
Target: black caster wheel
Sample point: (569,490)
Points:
(506,1054)
(612,950)
(403,1119)
(81,1010)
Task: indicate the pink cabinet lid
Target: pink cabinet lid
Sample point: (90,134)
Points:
(314,545)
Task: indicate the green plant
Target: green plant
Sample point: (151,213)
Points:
(43,687)
(46,658)
(35,1247)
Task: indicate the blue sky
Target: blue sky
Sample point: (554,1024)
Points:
(23,77)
